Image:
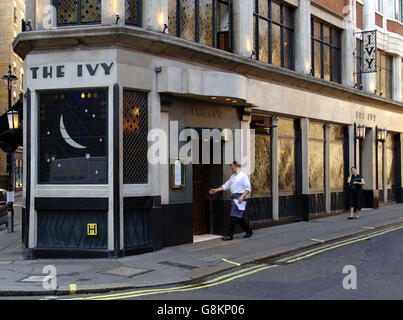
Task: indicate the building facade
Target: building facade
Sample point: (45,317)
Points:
(113,85)
(11,14)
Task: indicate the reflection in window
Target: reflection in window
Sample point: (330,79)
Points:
(205,21)
(133,12)
(384,74)
(326,51)
(274,33)
(73,137)
(78,11)
(316,147)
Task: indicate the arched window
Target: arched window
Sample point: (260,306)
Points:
(78,11)
(208,22)
(133,12)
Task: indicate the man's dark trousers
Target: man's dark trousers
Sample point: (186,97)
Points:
(241,222)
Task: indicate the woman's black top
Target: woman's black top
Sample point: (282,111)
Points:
(356,178)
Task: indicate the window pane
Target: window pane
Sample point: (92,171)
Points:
(391,147)
(316,30)
(289,16)
(263,40)
(90,10)
(132,7)
(336,65)
(286,127)
(336,38)
(187,16)
(288,49)
(317,59)
(336,156)
(276,12)
(73,146)
(260,179)
(67,11)
(206,22)
(263,8)
(276,45)
(316,165)
(286,165)
(135,124)
(172,17)
(326,34)
(316,130)
(326,63)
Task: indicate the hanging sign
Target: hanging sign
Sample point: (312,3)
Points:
(368,64)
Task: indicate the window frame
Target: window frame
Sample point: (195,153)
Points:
(79,22)
(323,43)
(282,26)
(197,22)
(383,56)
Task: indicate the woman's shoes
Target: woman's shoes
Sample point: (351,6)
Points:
(248,235)
(226,238)
(349,218)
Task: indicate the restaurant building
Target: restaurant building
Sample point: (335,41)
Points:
(103,76)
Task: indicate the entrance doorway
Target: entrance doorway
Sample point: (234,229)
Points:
(205,177)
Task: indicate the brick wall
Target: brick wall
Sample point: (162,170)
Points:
(394,26)
(334,5)
(378,20)
(360,15)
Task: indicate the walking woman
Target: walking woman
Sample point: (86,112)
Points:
(355,197)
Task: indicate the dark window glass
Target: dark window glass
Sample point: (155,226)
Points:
(133,12)
(326,51)
(205,21)
(78,11)
(274,33)
(135,130)
(73,137)
(358,64)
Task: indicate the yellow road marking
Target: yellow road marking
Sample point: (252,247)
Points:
(343,244)
(73,288)
(200,285)
(331,245)
(322,241)
(203,286)
(232,262)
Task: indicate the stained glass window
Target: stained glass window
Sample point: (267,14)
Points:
(78,11)
(274,33)
(73,146)
(205,21)
(326,51)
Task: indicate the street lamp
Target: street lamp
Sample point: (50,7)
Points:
(381,135)
(360,132)
(13,123)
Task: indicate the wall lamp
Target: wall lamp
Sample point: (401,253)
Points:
(117,18)
(360,132)
(381,135)
(165,28)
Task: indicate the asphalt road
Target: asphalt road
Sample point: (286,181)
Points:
(378,261)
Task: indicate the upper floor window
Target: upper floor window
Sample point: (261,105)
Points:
(379,6)
(78,11)
(358,63)
(394,7)
(326,51)
(208,22)
(133,12)
(384,74)
(274,33)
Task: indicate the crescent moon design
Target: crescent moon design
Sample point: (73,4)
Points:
(67,137)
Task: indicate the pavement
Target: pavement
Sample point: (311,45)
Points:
(174,265)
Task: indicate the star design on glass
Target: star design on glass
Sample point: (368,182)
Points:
(87,156)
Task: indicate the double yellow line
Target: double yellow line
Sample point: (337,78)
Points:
(240,273)
(312,252)
(185,288)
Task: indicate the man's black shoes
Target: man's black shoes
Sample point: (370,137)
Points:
(248,235)
(226,238)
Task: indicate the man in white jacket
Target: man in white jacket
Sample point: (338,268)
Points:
(239,185)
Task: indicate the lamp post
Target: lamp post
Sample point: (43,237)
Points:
(13,123)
